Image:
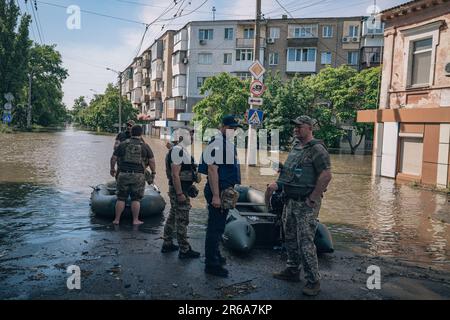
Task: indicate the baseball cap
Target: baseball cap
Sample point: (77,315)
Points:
(230,121)
(303,120)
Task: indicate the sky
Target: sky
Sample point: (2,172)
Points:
(103,42)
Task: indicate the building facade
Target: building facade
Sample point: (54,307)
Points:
(412,125)
(164,82)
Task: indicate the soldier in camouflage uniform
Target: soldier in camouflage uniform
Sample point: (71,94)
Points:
(303,179)
(182,173)
(133,156)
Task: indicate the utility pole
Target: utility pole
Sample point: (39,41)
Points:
(252,150)
(120,102)
(30,75)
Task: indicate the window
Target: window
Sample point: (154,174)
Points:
(325,58)
(201,81)
(327,31)
(302,54)
(228,33)
(249,33)
(205,34)
(244,55)
(352,58)
(205,58)
(421,61)
(305,31)
(273,58)
(244,75)
(411,155)
(274,33)
(353,31)
(177,38)
(227,58)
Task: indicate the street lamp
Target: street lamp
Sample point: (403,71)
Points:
(119,74)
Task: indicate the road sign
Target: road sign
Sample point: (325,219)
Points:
(8,106)
(257,69)
(257,88)
(9,96)
(7,117)
(255,101)
(255,116)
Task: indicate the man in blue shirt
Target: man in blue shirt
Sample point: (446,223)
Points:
(220,163)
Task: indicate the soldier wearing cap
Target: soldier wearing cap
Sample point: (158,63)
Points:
(219,162)
(122,136)
(303,179)
(182,173)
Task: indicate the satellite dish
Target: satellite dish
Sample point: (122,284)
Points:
(447,67)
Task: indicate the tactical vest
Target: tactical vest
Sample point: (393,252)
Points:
(187,174)
(133,152)
(298,175)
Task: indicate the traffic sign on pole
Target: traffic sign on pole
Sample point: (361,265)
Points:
(257,88)
(257,69)
(255,117)
(255,101)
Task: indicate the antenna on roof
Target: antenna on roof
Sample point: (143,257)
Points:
(214,13)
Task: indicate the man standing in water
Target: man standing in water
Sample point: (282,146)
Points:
(133,156)
(303,179)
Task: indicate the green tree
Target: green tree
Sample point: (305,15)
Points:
(225,94)
(79,105)
(14,50)
(291,100)
(102,113)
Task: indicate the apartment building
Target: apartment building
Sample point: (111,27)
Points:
(372,42)
(412,125)
(181,61)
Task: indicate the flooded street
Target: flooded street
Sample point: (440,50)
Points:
(45,181)
(46,222)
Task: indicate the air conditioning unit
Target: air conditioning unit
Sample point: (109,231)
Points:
(183,98)
(202,42)
(345,39)
(270,40)
(355,39)
(185,60)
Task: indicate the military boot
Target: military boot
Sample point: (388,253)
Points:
(311,289)
(190,254)
(169,248)
(288,274)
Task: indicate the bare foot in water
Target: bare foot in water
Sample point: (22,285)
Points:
(138,222)
(116,222)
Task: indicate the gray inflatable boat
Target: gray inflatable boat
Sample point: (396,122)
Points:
(103,202)
(250,225)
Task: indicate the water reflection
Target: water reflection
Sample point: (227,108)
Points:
(45,181)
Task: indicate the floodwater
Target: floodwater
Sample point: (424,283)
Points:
(46,179)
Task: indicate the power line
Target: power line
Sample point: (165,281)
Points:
(36,21)
(31,25)
(39,20)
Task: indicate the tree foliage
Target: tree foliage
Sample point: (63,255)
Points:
(332,98)
(102,114)
(225,94)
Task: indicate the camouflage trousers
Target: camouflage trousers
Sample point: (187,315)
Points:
(300,225)
(177,221)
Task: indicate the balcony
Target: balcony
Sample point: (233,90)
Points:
(146,64)
(129,85)
(301,66)
(179,68)
(147,81)
(243,43)
(157,70)
(136,95)
(180,46)
(303,42)
(155,114)
(155,95)
(145,98)
(179,91)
